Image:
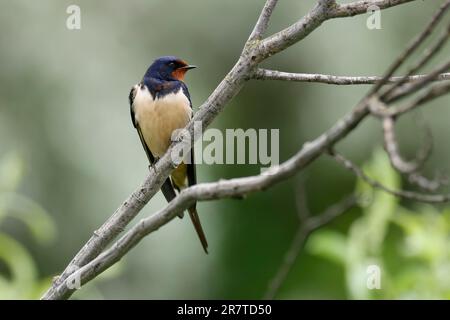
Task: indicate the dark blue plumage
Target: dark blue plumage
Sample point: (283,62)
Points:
(159,88)
(162,68)
(163,77)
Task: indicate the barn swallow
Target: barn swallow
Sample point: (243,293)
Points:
(160,104)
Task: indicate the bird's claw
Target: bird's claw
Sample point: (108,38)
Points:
(152,166)
(179,138)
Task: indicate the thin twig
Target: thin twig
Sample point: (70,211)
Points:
(410,195)
(434,92)
(360,7)
(418,40)
(263,21)
(429,54)
(314,18)
(415,86)
(430,185)
(306,227)
(392,149)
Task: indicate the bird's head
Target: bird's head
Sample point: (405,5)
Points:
(168,68)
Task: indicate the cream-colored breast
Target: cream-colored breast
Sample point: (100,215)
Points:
(160,117)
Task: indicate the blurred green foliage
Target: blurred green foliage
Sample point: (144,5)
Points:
(411,246)
(21,279)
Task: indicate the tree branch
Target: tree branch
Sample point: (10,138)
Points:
(209,191)
(265,74)
(263,21)
(392,149)
(410,195)
(307,226)
(361,7)
(411,88)
(416,42)
(324,10)
(434,92)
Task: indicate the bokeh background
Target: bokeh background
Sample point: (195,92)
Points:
(69,154)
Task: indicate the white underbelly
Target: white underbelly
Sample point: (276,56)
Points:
(159,118)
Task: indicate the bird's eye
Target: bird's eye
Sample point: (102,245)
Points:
(172,64)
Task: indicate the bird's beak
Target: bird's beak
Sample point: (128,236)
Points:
(188,67)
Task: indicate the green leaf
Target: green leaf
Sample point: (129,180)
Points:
(29,212)
(383,206)
(328,244)
(21,267)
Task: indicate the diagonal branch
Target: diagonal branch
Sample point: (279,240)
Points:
(410,195)
(306,227)
(416,42)
(209,191)
(320,13)
(417,85)
(263,21)
(434,92)
(429,54)
(392,149)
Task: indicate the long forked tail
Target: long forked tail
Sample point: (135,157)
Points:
(198,227)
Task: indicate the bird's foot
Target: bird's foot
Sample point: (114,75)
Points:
(181,215)
(179,138)
(152,166)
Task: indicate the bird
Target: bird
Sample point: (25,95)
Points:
(159,104)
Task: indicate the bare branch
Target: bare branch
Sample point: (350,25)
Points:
(263,21)
(361,7)
(429,54)
(431,94)
(391,146)
(388,116)
(417,41)
(306,227)
(410,195)
(294,33)
(415,86)
(289,259)
(430,185)
(209,191)
(301,203)
(324,10)
(265,74)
